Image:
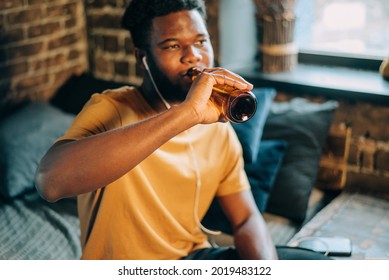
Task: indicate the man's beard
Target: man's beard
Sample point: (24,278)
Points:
(171,92)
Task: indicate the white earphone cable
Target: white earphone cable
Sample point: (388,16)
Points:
(167,105)
(193,154)
(197,194)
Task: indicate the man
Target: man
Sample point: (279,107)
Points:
(145,163)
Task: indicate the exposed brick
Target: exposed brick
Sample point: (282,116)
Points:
(63,41)
(13,70)
(111,43)
(101,65)
(34,2)
(102,3)
(65,74)
(353,154)
(48,62)
(368,160)
(383,160)
(25,16)
(105,21)
(368,149)
(129,46)
(9,4)
(30,94)
(74,54)
(97,42)
(372,182)
(25,50)
(31,82)
(2,28)
(38,76)
(364,117)
(122,68)
(12,36)
(70,23)
(43,29)
(62,10)
(45,93)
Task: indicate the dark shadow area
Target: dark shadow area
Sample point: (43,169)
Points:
(76,91)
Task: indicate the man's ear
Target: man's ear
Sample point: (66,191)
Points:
(139,54)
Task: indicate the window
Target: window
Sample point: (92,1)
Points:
(341,46)
(353,28)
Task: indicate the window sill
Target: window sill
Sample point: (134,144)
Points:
(330,82)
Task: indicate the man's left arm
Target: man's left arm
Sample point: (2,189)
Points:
(251,236)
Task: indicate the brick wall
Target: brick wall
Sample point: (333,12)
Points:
(368,162)
(110,47)
(42,43)
(368,159)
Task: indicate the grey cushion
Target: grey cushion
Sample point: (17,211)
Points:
(304,125)
(34,229)
(25,136)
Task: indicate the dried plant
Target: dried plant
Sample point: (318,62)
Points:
(275,8)
(276,23)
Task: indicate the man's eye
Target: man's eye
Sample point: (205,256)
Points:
(173,47)
(201,43)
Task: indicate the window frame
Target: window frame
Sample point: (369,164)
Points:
(351,61)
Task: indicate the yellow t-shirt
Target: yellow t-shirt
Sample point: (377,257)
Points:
(149,212)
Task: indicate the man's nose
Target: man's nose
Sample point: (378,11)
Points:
(191,54)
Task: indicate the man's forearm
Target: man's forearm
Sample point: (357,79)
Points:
(76,167)
(253,241)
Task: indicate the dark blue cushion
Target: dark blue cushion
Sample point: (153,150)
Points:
(261,173)
(250,132)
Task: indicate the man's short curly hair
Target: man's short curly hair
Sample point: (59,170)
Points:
(139,14)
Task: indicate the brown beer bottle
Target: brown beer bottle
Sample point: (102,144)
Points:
(235,105)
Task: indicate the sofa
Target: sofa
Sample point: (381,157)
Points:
(282,145)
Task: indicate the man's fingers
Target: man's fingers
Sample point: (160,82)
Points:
(225,77)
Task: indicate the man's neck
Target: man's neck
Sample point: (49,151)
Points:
(152,97)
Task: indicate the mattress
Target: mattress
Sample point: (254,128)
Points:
(33,229)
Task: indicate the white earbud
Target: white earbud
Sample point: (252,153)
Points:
(144,60)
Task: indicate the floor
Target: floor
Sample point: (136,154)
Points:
(364,219)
